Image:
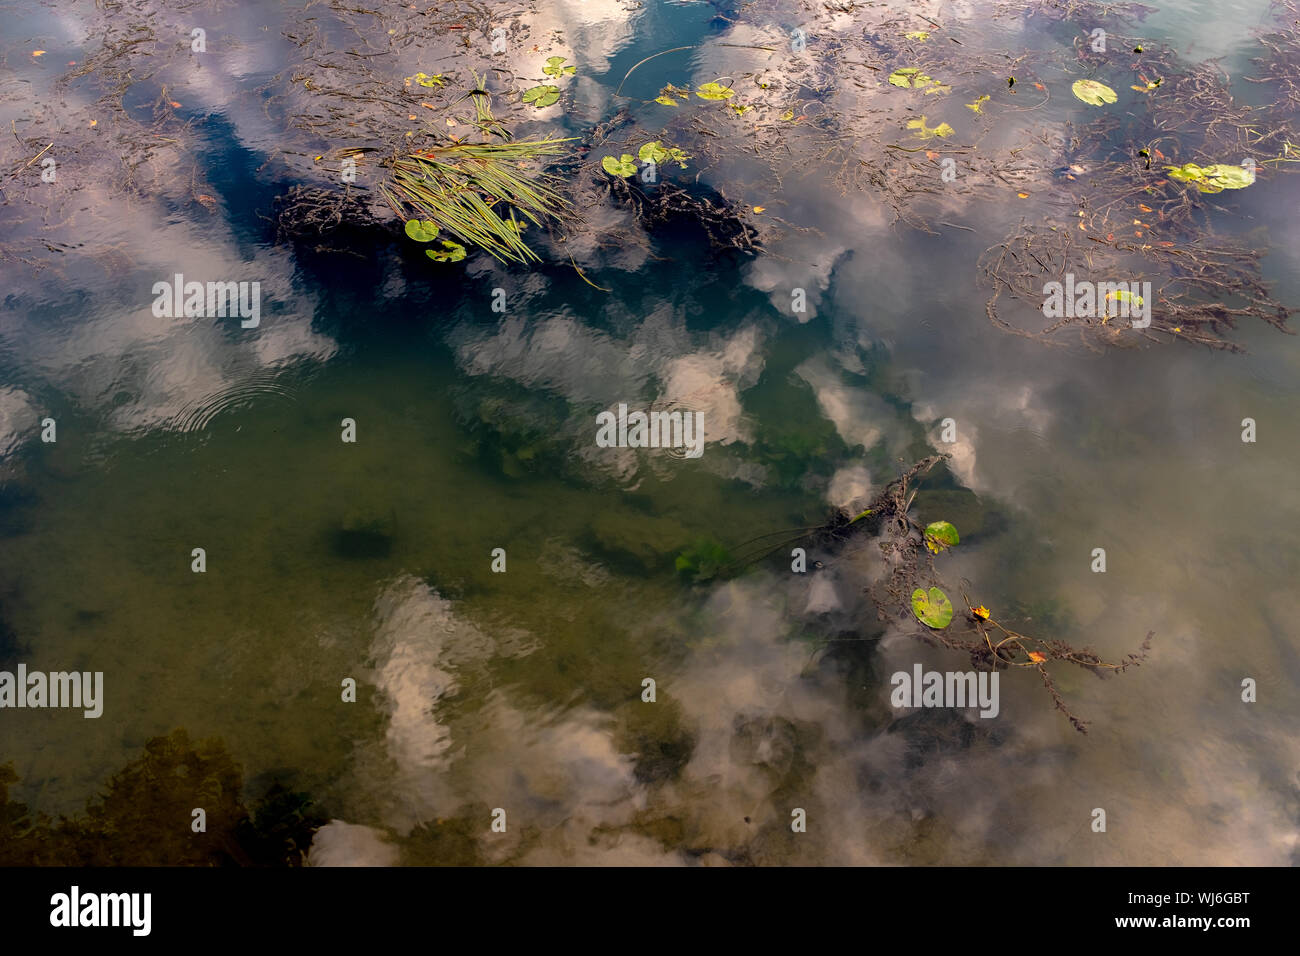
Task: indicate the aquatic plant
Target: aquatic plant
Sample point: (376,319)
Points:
(913,588)
(460,187)
(932,608)
(541,96)
(1093,93)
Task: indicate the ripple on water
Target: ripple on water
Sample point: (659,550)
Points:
(197,416)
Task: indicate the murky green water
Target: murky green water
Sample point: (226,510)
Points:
(475,430)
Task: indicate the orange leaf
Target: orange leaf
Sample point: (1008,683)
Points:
(38,53)
(931,154)
(1144,207)
(980,612)
(1039,86)
(1036,657)
(1023,195)
(175,105)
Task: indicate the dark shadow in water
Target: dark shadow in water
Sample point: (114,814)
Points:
(145,816)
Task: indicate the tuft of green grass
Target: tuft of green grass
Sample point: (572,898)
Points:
(478,192)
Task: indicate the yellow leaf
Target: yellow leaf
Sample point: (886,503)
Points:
(1023,195)
(38,53)
(759,208)
(94,122)
(1036,657)
(980,612)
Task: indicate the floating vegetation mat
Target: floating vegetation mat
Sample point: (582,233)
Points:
(394,112)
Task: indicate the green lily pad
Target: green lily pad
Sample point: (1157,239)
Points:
(907,78)
(653,153)
(940,535)
(450,252)
(1093,93)
(928,132)
(623,166)
(1212,179)
(421,230)
(553,68)
(1123,295)
(932,609)
(541,96)
(714,91)
(910,78)
(666,100)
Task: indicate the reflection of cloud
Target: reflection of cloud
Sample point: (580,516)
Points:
(17,418)
(420,645)
(857,414)
(347,844)
(150,370)
(659,360)
(850,488)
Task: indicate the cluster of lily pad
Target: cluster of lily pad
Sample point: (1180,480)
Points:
(424,230)
(932,608)
(653,152)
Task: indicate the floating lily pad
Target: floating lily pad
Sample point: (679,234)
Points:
(929,132)
(553,68)
(623,166)
(940,535)
(1212,179)
(1123,295)
(541,96)
(932,609)
(1093,93)
(714,91)
(421,230)
(978,105)
(450,252)
(912,79)
(667,94)
(653,153)
(907,78)
(920,35)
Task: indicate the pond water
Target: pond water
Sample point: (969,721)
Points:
(475,430)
